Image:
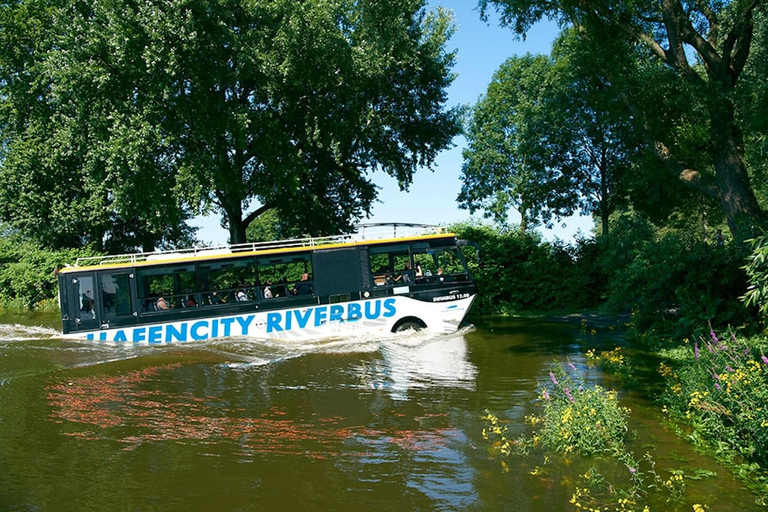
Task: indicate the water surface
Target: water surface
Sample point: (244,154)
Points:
(376,423)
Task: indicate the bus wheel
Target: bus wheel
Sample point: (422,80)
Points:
(408,324)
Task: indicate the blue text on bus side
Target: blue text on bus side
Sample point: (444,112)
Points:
(277,321)
(335,313)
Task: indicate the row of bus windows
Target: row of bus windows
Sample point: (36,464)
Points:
(394,265)
(206,284)
(214,283)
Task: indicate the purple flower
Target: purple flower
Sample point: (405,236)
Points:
(733,337)
(554,379)
(696,349)
(546,395)
(715,376)
(568,394)
(729,369)
(714,336)
(572,366)
(632,470)
(717,386)
(765,359)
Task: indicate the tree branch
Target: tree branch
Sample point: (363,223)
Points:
(255,214)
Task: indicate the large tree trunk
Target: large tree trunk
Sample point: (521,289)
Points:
(736,197)
(237,229)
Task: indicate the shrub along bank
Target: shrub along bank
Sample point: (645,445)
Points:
(28,274)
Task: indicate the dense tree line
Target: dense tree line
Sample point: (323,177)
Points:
(121,119)
(653,105)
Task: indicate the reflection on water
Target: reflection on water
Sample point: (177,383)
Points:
(370,423)
(417,361)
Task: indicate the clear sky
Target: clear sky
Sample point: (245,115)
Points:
(482,48)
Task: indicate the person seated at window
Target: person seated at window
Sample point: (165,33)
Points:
(406,275)
(281,288)
(303,287)
(214,298)
(162,304)
(190,302)
(241,296)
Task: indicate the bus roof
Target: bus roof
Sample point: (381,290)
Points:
(370,234)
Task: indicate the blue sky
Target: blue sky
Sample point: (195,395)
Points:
(482,48)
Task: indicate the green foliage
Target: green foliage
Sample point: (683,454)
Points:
(519,272)
(268,227)
(578,417)
(28,274)
(118,121)
(672,280)
(757,272)
(689,111)
(720,389)
(505,163)
(588,420)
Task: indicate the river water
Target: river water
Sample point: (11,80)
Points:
(378,423)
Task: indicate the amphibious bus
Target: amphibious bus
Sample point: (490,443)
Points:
(290,289)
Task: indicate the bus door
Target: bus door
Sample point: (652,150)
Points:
(116,298)
(83,305)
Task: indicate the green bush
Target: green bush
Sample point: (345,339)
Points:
(28,274)
(721,389)
(757,271)
(521,273)
(673,281)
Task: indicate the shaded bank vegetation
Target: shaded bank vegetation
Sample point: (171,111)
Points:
(673,281)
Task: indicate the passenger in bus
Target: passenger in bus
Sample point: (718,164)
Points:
(241,296)
(268,290)
(406,275)
(190,302)
(214,299)
(280,289)
(303,287)
(87,303)
(162,304)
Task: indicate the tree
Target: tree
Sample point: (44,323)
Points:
(507,160)
(591,128)
(82,160)
(548,138)
(148,111)
(296,113)
(706,49)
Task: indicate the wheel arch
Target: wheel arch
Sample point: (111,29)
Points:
(409,320)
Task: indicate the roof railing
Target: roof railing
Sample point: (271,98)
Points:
(370,231)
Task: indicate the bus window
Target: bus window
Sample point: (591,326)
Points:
(231,281)
(116,295)
(390,265)
(86,294)
(167,287)
(284,276)
(429,263)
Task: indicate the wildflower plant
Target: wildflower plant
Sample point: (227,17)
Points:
(613,362)
(586,419)
(580,417)
(721,390)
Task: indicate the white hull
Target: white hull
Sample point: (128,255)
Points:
(308,322)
